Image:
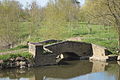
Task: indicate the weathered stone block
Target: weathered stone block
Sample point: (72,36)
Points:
(35,48)
(118,58)
(99,51)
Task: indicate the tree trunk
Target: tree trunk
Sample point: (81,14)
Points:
(118,28)
(119,42)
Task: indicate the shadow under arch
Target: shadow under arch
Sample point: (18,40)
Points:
(67,56)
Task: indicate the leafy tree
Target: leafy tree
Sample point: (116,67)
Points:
(9,22)
(35,18)
(59,14)
(105,12)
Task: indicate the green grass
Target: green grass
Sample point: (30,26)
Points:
(16,48)
(110,44)
(23,54)
(101,35)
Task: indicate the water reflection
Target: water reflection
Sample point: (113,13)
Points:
(95,76)
(77,70)
(99,66)
(99,76)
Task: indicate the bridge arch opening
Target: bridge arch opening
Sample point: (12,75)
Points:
(67,56)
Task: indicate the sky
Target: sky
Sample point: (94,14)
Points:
(41,2)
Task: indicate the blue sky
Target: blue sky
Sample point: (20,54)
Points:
(41,2)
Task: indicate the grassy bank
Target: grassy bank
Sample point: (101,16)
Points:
(15,48)
(8,56)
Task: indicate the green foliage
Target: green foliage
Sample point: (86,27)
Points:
(104,12)
(9,22)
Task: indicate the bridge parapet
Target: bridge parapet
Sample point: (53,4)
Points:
(79,48)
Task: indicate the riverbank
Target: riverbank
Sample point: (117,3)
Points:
(16,60)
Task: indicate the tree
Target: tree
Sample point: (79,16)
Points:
(58,15)
(35,18)
(104,12)
(9,23)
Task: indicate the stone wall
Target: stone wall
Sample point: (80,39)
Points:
(42,60)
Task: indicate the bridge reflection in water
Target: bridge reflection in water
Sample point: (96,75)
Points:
(75,70)
(99,71)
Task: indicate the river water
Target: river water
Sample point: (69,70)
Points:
(74,70)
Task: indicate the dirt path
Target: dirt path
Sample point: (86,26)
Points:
(81,38)
(75,39)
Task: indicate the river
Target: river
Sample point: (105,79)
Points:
(73,70)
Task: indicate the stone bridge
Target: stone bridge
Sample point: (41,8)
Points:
(67,50)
